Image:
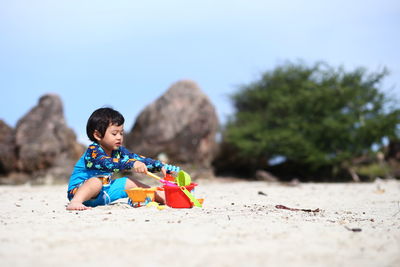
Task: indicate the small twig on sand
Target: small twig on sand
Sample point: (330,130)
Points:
(292,209)
(353,229)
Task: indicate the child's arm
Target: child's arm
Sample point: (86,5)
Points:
(97,159)
(151,164)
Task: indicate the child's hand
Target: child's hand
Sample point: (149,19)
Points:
(139,167)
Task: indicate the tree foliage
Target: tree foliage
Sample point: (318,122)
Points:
(315,116)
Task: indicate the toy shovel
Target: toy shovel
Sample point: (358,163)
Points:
(190,196)
(183,179)
(160,179)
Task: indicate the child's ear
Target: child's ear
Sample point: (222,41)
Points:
(97,135)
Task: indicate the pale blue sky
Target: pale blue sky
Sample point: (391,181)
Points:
(127,53)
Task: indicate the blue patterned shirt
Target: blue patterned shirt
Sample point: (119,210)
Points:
(95,161)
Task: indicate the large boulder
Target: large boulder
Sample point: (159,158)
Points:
(181,124)
(45,146)
(7,149)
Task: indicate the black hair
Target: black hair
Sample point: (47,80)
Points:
(100,120)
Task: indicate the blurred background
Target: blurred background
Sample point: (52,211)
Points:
(126,54)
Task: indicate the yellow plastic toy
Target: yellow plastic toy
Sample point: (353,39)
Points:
(152,204)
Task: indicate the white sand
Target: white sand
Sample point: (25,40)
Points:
(237,227)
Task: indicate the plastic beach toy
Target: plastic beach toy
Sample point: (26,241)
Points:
(160,179)
(179,195)
(183,178)
(140,196)
(176,198)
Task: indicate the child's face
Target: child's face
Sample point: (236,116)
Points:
(113,138)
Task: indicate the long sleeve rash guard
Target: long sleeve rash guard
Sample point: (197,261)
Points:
(96,162)
(121,159)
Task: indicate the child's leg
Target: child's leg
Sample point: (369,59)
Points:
(131,182)
(88,190)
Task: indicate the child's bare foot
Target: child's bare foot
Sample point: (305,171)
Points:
(160,198)
(77,206)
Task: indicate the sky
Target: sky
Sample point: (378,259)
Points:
(126,54)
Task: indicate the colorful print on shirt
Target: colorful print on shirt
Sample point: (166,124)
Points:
(121,159)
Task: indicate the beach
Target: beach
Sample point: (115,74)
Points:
(240,224)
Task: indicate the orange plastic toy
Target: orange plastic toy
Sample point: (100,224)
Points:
(140,196)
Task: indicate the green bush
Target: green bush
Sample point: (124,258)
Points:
(317,117)
(374,170)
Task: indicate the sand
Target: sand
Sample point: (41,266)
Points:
(239,225)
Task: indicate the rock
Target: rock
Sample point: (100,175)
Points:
(7,148)
(182,124)
(14,178)
(262,175)
(45,145)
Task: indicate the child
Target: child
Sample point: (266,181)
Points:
(104,157)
